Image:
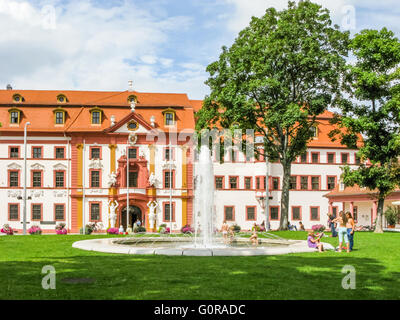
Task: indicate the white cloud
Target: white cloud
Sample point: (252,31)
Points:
(90,48)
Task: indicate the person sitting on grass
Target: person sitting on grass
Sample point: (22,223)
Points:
(291,227)
(314,241)
(301,226)
(254,236)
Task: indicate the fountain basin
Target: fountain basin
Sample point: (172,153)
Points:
(183,247)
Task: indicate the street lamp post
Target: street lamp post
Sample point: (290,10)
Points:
(25,151)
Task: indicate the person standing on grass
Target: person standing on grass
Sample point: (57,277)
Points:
(331,217)
(342,220)
(350,225)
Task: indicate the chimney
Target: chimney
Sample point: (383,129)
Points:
(130,85)
(9,87)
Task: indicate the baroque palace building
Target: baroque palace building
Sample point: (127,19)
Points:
(81,145)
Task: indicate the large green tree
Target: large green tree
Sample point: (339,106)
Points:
(282,71)
(372,113)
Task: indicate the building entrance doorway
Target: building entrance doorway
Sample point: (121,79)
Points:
(134,214)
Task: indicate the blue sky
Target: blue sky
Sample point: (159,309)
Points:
(163,45)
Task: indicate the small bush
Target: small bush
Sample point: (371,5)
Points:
(187,229)
(7,230)
(318,228)
(113,231)
(35,230)
(60,229)
(236,228)
(139,229)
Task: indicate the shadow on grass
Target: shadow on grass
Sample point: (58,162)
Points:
(309,276)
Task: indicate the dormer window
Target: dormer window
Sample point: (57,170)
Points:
(314,131)
(61,98)
(59,116)
(96,114)
(17,98)
(169,117)
(133,125)
(15,116)
(132,98)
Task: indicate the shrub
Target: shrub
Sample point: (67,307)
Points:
(89,228)
(7,230)
(113,231)
(318,228)
(35,230)
(187,229)
(392,214)
(139,229)
(161,228)
(60,229)
(236,228)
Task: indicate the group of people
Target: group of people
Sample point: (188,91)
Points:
(342,226)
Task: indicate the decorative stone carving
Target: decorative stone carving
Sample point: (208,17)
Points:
(95,164)
(37,193)
(152,180)
(14,166)
(112,179)
(37,166)
(153,205)
(166,165)
(14,193)
(59,193)
(113,205)
(59,166)
(132,139)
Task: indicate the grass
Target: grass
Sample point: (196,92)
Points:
(376,259)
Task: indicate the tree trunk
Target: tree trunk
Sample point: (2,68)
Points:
(379,217)
(287,168)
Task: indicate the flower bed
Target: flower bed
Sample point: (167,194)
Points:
(318,228)
(7,230)
(35,230)
(113,231)
(60,229)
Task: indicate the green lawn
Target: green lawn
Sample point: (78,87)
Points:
(295,276)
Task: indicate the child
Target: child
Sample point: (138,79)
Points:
(314,241)
(254,236)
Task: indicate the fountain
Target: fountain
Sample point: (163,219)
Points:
(204,200)
(204,242)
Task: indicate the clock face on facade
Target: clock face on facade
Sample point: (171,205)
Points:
(133,125)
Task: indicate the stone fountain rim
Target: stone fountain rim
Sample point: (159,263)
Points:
(107,245)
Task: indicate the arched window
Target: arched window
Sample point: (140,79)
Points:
(15,115)
(17,98)
(96,115)
(59,116)
(61,98)
(169,117)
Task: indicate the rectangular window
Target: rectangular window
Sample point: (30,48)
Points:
(14,152)
(274,213)
(314,213)
(36,212)
(304,183)
(36,179)
(258,184)
(60,153)
(13,212)
(355,213)
(95,153)
(14,117)
(14,178)
(169,119)
(345,158)
(229,213)
(37,152)
(133,179)
(219,182)
(251,213)
(314,132)
(95,179)
(95,212)
(233,155)
(331,157)
(275,183)
(331,183)
(296,213)
(315,183)
(167,154)
(132,153)
(59,212)
(167,211)
(60,179)
(233,182)
(96,117)
(315,157)
(247,183)
(168,179)
(59,117)
(293,183)
(303,158)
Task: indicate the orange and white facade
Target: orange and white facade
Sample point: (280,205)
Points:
(77,148)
